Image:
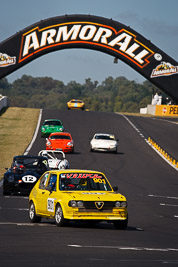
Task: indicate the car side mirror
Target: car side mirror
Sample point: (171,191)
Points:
(115,188)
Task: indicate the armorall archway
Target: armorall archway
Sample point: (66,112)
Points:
(91,32)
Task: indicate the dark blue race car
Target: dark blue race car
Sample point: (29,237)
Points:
(23,174)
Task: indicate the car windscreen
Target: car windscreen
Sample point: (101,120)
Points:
(58,137)
(53,123)
(83,182)
(76,101)
(104,137)
(35,164)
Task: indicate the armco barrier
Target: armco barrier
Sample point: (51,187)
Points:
(3,102)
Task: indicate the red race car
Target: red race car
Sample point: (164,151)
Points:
(60,141)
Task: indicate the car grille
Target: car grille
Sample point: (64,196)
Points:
(104,206)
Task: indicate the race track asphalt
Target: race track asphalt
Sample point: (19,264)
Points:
(148,182)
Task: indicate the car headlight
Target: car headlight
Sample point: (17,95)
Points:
(43,129)
(48,142)
(117,204)
(93,143)
(61,165)
(112,145)
(70,143)
(76,204)
(122,204)
(10,178)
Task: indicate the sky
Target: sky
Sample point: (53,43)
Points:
(156,20)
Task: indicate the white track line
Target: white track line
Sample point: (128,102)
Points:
(127,248)
(162,196)
(35,134)
(141,135)
(27,224)
(168,205)
(165,120)
(21,209)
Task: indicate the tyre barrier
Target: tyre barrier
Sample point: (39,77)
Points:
(173,162)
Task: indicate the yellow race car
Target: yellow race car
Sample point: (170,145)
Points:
(76,104)
(77,195)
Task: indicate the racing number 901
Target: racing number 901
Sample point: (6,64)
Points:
(98,180)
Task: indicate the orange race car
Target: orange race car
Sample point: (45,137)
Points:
(60,141)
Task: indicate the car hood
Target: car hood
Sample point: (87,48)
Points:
(51,127)
(59,141)
(104,142)
(94,196)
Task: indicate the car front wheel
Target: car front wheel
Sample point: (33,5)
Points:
(59,217)
(32,214)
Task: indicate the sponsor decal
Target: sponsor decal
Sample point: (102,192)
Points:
(173,110)
(50,204)
(164,69)
(29,179)
(99,204)
(81,175)
(164,110)
(122,42)
(6,60)
(158,57)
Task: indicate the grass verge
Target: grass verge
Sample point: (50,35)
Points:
(17,127)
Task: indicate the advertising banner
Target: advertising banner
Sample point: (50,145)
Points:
(166,110)
(96,33)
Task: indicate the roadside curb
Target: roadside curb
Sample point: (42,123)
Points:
(171,161)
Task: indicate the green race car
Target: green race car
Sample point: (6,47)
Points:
(51,126)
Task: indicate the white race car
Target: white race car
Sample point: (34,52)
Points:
(104,142)
(53,161)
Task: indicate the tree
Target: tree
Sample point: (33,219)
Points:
(112,95)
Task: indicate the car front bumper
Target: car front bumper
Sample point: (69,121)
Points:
(65,150)
(104,148)
(82,214)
